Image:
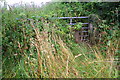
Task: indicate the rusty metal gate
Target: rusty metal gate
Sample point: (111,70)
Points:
(84,34)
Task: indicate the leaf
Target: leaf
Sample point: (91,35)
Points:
(108,43)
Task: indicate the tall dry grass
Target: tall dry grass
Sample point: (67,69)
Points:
(51,62)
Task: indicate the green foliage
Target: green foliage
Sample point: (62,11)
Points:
(28,31)
(78,26)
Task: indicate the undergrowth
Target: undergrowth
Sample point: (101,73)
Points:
(36,47)
(50,57)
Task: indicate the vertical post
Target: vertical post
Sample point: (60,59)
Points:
(70,21)
(92,37)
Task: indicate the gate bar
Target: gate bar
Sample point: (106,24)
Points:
(75,23)
(69,17)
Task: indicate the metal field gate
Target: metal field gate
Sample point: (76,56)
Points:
(85,33)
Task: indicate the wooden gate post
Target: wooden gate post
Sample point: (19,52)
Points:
(91,33)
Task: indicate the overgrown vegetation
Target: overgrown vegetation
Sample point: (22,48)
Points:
(36,46)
